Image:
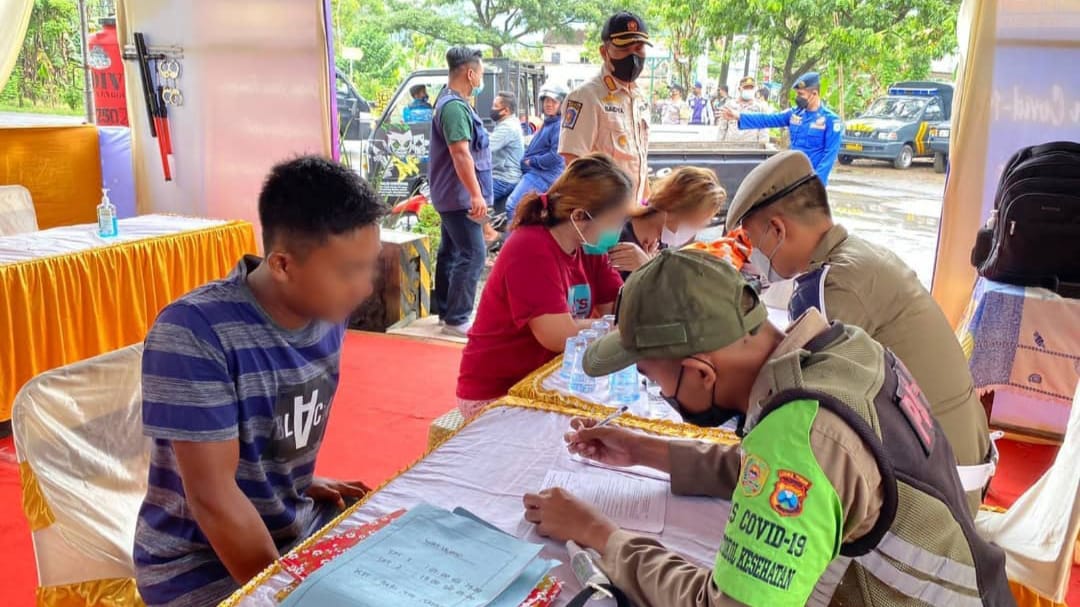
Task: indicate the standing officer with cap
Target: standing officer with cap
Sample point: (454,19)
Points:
(824,509)
(784,210)
(815,129)
(609,114)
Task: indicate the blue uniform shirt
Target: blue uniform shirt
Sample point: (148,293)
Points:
(816,134)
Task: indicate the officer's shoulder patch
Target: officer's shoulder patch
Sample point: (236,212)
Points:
(838,126)
(755,473)
(789,493)
(914,406)
(571,113)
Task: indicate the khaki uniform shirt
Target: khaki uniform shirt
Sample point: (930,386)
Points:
(729,129)
(871,288)
(612,117)
(654,577)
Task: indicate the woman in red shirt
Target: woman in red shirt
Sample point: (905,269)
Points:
(550,279)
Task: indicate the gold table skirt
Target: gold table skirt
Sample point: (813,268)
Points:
(65,308)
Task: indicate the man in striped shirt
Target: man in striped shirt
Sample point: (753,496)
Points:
(238,381)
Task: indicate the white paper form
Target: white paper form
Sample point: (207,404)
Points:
(632,502)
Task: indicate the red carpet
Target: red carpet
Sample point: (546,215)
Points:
(391,389)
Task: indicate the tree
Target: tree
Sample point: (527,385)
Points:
(49,70)
(684,29)
(885,39)
(360,24)
(499,24)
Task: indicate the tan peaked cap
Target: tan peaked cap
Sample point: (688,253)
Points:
(767,183)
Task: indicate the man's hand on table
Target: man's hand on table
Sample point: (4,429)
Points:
(329,490)
(561,516)
(616,446)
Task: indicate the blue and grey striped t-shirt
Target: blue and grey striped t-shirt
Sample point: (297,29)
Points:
(217,368)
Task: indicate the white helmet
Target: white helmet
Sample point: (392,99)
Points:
(554,91)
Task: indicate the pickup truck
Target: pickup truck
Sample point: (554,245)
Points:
(939,145)
(398,150)
(896,127)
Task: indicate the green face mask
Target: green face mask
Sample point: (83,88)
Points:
(606,240)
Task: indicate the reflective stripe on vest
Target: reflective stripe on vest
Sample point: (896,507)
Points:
(924,590)
(928,563)
(828,582)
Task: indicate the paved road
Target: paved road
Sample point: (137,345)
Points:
(22,119)
(897,209)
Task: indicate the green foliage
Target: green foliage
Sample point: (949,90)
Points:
(430,224)
(871,43)
(361,24)
(499,24)
(49,72)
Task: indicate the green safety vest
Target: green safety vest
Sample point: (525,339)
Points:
(785,504)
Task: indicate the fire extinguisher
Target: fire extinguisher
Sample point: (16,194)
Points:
(107,70)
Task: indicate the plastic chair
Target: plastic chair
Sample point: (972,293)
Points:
(17,215)
(1039,532)
(83,460)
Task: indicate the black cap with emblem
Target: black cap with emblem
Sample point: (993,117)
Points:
(624,29)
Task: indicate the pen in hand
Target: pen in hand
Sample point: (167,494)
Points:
(614,414)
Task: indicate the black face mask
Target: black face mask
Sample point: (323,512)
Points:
(802,102)
(496,115)
(628,68)
(709,418)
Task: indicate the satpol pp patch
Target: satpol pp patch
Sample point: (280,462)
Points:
(755,473)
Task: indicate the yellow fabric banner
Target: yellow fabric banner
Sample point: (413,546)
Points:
(61,166)
(96,593)
(58,310)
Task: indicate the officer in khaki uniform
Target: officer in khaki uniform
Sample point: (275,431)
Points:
(824,511)
(785,212)
(609,114)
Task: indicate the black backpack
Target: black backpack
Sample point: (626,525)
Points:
(1035,239)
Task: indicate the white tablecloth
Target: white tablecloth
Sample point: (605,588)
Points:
(490,464)
(83,237)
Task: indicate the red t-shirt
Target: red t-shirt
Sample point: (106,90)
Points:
(532,277)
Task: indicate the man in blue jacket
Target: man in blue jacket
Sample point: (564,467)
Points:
(542,164)
(815,129)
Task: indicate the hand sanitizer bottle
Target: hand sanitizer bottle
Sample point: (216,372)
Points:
(106,216)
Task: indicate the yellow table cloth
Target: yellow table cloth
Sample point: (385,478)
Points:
(67,295)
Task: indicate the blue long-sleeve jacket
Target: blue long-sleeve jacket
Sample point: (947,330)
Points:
(543,152)
(816,134)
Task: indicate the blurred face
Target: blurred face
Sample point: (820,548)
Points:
(599,228)
(551,106)
(811,96)
(697,91)
(694,221)
(330,280)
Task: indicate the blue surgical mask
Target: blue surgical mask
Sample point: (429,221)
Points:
(478,88)
(604,242)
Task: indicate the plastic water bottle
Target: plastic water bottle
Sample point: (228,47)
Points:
(579,381)
(589,336)
(624,385)
(106,216)
(568,361)
(609,319)
(602,327)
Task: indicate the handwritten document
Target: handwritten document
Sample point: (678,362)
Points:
(428,557)
(632,502)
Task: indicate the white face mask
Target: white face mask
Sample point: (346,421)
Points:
(747,95)
(763,262)
(679,237)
